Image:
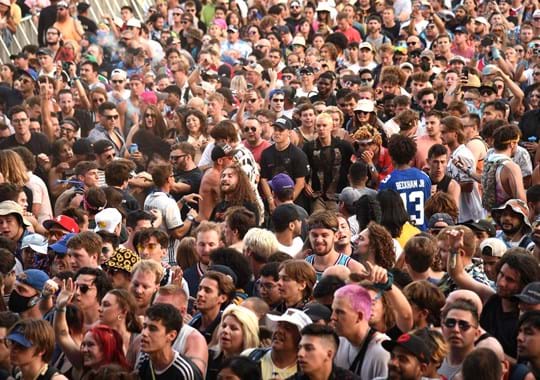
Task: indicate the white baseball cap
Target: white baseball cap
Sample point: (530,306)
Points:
(107,220)
(293,316)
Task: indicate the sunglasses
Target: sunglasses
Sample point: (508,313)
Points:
(149,115)
(84,288)
(414,55)
(252,129)
(252,100)
(117,81)
(112,117)
(452,322)
(278,100)
(175,158)
(362,112)
(412,43)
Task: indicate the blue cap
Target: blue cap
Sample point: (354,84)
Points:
(280,182)
(17,336)
(60,246)
(33,277)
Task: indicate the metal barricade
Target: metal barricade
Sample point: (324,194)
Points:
(25,34)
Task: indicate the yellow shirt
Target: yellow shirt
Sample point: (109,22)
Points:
(407,232)
(269,370)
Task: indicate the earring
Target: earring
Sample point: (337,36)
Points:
(119,317)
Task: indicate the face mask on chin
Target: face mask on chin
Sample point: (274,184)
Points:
(18,303)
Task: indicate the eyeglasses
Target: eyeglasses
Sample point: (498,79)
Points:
(149,115)
(414,55)
(19,121)
(117,81)
(462,325)
(185,22)
(487,93)
(253,100)
(64,129)
(111,117)
(266,285)
(175,158)
(362,112)
(411,43)
(83,288)
(276,100)
(252,129)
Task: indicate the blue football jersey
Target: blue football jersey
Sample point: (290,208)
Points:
(414,186)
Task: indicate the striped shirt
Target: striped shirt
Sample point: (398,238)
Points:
(181,368)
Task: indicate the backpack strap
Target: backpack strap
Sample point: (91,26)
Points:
(358,361)
(257,354)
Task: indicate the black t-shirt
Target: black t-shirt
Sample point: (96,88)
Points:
(323,159)
(393,32)
(528,125)
(38,143)
(292,161)
(181,368)
(330,101)
(191,177)
(85,121)
(88,25)
(503,326)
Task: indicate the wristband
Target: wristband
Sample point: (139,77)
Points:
(386,286)
(191,218)
(495,53)
(60,309)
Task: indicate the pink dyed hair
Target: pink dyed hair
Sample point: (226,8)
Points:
(357,296)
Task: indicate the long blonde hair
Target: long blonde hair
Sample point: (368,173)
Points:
(250,326)
(13,168)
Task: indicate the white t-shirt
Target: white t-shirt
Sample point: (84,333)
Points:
(470,204)
(40,195)
(293,249)
(375,361)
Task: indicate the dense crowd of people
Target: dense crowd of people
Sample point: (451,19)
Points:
(271,189)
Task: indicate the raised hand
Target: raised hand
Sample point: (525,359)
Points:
(66,294)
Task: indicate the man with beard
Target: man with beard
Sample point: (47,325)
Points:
(215,290)
(529,341)
(410,357)
(235,190)
(460,329)
(287,227)
(323,228)
(325,88)
(512,218)
(70,27)
(316,353)
(53,38)
(279,361)
(252,138)
(295,15)
(187,175)
(26,295)
(499,317)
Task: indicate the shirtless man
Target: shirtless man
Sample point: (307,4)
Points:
(222,157)
(475,143)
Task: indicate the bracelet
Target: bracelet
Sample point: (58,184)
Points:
(387,285)
(60,309)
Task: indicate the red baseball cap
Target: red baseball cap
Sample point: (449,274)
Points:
(64,222)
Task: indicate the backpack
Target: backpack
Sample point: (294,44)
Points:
(489,182)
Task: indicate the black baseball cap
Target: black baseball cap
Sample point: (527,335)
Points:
(481,225)
(411,343)
(530,294)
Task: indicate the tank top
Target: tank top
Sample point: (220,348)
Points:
(443,184)
(341,260)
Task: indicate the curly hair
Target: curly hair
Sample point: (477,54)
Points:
(381,246)
(244,192)
(441,202)
(202,120)
(367,132)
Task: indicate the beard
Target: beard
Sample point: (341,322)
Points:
(511,231)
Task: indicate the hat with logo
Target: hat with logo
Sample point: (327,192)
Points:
(64,222)
(60,247)
(107,220)
(220,151)
(283,123)
(13,208)
(493,247)
(34,278)
(232,28)
(411,343)
(530,294)
(461,29)
(293,316)
(36,242)
(123,259)
(280,182)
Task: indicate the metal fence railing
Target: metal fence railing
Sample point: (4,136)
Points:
(27,31)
